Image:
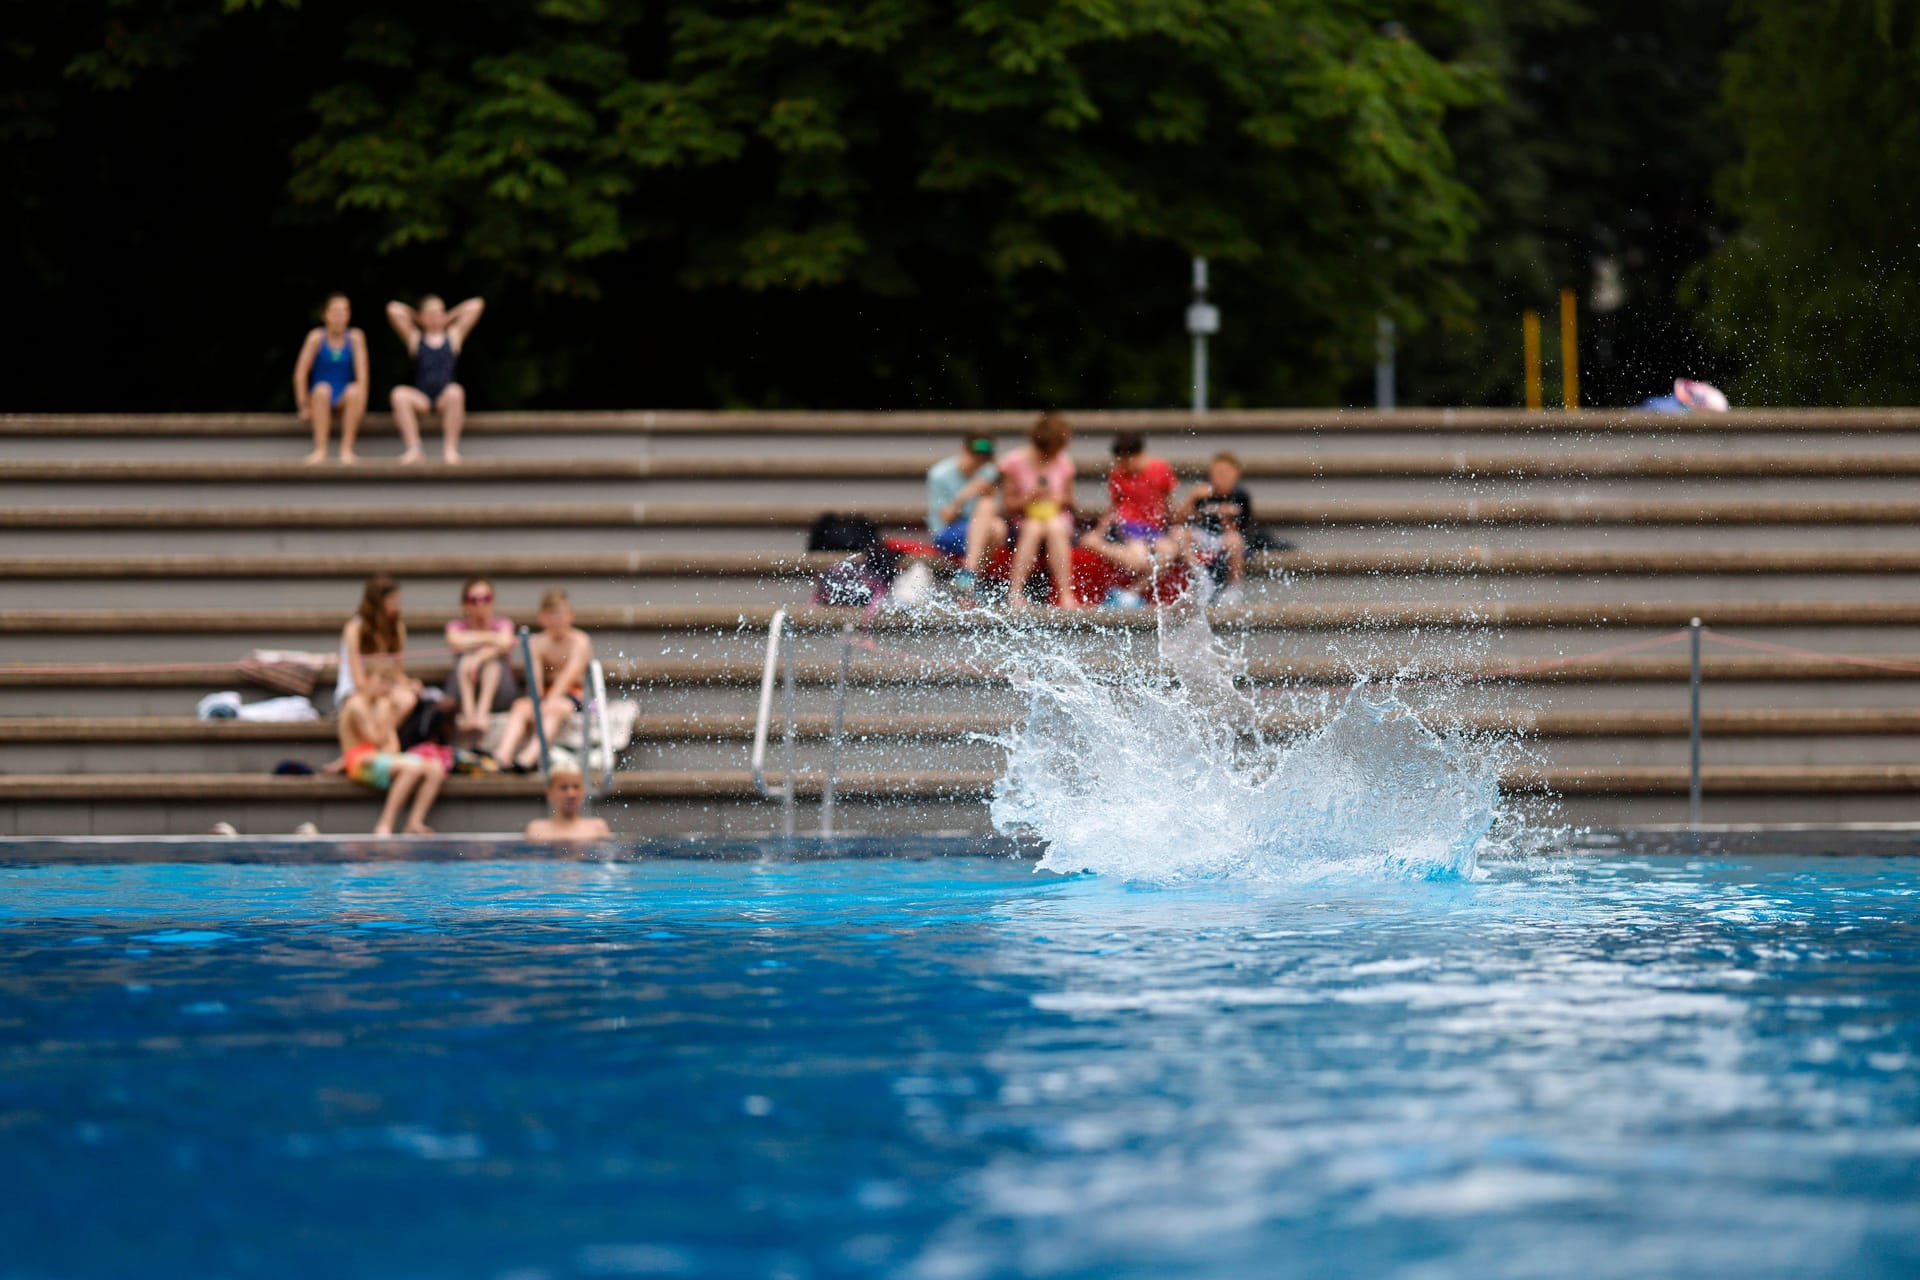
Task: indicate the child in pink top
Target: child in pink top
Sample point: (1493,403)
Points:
(1036,496)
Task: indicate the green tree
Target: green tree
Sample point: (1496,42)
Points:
(1596,159)
(990,201)
(1814,291)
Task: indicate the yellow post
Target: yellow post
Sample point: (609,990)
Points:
(1530,346)
(1569,351)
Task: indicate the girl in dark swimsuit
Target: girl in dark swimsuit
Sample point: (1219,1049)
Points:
(434,336)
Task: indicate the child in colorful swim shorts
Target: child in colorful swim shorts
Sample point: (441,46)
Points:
(368,723)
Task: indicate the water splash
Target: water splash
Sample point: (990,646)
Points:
(1161,770)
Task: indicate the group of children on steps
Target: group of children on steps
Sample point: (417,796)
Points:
(374,698)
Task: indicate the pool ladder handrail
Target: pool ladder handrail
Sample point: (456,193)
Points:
(600,784)
(779,655)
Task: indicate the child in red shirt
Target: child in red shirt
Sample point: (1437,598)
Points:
(1135,533)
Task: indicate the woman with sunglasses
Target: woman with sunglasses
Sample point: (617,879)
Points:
(482,665)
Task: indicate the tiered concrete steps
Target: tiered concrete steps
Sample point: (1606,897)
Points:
(144,556)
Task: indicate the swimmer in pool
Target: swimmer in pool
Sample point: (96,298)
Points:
(566,792)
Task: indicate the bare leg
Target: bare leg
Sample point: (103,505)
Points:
(408,404)
(986,529)
(400,785)
(353,408)
(320,409)
(1236,549)
(423,797)
(1025,552)
(519,724)
(489,686)
(553,713)
(1131,556)
(453,416)
(467,679)
(1060,559)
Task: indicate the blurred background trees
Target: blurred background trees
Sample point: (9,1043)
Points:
(895,203)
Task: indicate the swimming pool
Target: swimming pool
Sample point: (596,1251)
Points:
(952,1067)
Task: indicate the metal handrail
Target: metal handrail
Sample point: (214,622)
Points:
(777,648)
(539,708)
(601,786)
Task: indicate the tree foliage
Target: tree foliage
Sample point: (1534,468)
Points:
(1593,168)
(882,201)
(1814,291)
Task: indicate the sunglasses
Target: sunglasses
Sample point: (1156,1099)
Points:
(480,597)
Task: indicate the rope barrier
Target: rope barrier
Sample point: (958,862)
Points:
(1791,651)
(57,670)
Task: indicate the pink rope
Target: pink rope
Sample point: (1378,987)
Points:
(181,668)
(1790,651)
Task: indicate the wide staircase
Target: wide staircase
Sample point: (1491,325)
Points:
(1524,575)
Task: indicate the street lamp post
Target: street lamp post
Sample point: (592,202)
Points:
(1203,321)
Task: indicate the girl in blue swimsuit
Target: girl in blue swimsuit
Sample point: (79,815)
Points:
(330,374)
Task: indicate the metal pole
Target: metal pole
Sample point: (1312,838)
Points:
(786,749)
(1383,371)
(1530,354)
(1203,320)
(1569,351)
(539,709)
(839,730)
(1693,771)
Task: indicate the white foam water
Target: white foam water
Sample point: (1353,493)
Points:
(1159,770)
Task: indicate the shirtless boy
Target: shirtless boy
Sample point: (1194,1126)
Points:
(566,792)
(368,724)
(561,652)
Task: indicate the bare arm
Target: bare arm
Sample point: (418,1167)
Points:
(572,673)
(977,488)
(359,341)
(350,652)
(461,319)
(401,317)
(1191,502)
(302,368)
(467,641)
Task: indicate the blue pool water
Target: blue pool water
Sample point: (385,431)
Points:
(531,1070)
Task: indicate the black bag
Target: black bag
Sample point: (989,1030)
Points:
(835,532)
(430,721)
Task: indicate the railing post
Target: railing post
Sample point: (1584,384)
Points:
(599,717)
(786,746)
(839,731)
(539,708)
(1693,769)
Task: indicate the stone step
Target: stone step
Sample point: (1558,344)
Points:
(681,741)
(1289,503)
(724,801)
(768,517)
(480,545)
(517,595)
(764,578)
(827,425)
(1515,630)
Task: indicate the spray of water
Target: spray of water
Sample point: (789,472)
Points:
(1157,767)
